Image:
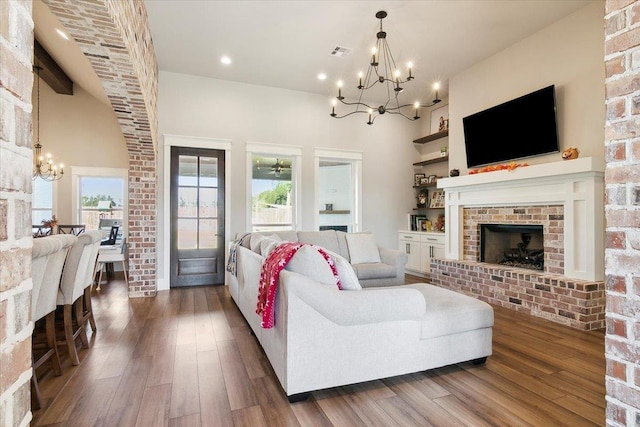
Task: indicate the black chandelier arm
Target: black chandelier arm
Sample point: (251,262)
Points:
(358,103)
(400,113)
(335,116)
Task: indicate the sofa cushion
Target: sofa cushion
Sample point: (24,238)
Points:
(257,239)
(362,248)
(448,312)
(326,239)
(268,244)
(374,270)
(309,262)
(342,243)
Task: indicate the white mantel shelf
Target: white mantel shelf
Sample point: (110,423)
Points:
(546,170)
(577,185)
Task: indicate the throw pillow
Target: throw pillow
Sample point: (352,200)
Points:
(254,244)
(362,248)
(309,262)
(348,278)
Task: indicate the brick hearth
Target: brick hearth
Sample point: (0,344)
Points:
(575,303)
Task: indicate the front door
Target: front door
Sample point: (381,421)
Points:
(197,216)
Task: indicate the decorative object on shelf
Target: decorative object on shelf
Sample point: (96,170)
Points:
(432,179)
(328,206)
(443,151)
(50,222)
(425,180)
(440,119)
(413,221)
(44,169)
(437,199)
(382,69)
(505,166)
(440,223)
(422,198)
(416,178)
(428,226)
(570,153)
(454,172)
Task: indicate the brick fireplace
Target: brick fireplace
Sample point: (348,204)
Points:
(566,200)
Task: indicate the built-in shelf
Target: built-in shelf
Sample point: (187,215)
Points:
(433,184)
(335,212)
(424,209)
(431,137)
(432,161)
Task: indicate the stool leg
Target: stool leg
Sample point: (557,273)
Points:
(50,327)
(100,276)
(81,322)
(36,399)
(124,270)
(89,308)
(68,334)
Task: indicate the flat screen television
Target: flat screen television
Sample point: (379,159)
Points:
(523,127)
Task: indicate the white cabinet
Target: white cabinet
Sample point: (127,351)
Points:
(420,247)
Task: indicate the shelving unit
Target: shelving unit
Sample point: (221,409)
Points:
(432,161)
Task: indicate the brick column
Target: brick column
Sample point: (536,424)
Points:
(622,180)
(115,37)
(16,81)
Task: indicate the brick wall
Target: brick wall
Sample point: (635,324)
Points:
(16,81)
(115,37)
(622,180)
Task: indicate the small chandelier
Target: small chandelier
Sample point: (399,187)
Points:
(44,169)
(382,70)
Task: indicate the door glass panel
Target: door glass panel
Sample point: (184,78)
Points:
(208,202)
(187,233)
(187,202)
(208,172)
(208,231)
(187,170)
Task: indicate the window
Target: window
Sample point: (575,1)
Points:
(273,187)
(41,201)
(99,193)
(100,197)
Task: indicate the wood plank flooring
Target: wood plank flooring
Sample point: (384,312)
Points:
(186,358)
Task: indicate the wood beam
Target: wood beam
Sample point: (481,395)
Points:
(51,72)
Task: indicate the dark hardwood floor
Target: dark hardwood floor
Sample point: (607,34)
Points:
(186,358)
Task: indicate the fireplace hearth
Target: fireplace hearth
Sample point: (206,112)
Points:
(513,245)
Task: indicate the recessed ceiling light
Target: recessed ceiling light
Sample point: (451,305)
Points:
(62,34)
(322,76)
(225,60)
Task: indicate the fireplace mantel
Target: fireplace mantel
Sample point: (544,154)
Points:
(577,185)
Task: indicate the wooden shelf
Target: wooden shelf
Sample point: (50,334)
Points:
(433,184)
(431,137)
(424,209)
(432,161)
(335,212)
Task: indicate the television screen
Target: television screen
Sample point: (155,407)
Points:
(522,127)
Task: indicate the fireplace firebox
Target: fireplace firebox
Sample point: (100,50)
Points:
(515,245)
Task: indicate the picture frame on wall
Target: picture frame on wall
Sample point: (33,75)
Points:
(440,119)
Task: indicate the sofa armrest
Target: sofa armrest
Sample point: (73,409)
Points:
(394,257)
(349,308)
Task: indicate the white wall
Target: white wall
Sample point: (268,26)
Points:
(203,107)
(78,130)
(568,54)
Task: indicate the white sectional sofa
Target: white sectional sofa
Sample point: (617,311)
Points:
(325,337)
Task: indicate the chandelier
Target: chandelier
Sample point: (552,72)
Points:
(383,71)
(43,168)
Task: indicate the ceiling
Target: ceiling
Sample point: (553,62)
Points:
(286,44)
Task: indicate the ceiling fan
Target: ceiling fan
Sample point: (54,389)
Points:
(278,167)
